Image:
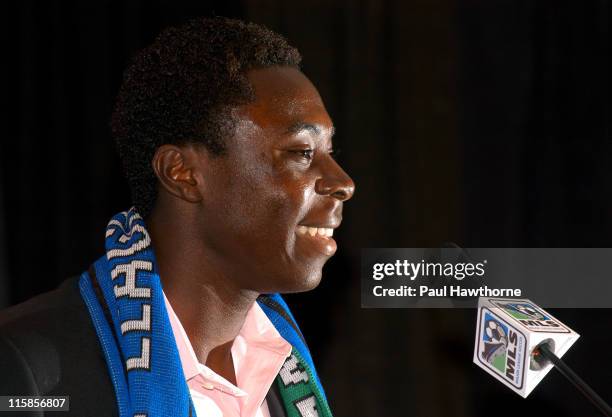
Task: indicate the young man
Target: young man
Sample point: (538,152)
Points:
(227,147)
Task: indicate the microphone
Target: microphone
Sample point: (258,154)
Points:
(518,343)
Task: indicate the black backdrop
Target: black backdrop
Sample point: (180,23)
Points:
(480,122)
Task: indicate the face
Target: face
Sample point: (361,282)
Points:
(272,202)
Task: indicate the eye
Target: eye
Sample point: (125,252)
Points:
(334,153)
(304,153)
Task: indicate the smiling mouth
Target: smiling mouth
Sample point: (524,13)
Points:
(325,232)
(317,239)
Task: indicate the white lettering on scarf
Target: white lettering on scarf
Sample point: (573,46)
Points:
(307,407)
(129,288)
(292,371)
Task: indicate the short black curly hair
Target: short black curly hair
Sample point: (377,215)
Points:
(181,89)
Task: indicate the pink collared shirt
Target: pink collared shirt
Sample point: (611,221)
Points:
(258,353)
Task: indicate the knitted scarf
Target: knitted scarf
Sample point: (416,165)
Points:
(123,294)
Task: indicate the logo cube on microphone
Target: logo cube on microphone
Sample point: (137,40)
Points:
(508,331)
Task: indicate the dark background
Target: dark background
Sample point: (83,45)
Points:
(480,122)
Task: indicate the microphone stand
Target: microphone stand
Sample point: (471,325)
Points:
(567,372)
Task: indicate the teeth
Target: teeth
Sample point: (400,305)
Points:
(313,231)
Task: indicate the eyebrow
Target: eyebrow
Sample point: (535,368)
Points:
(312,128)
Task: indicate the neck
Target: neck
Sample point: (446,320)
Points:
(207,301)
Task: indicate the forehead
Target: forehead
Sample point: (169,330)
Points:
(285,97)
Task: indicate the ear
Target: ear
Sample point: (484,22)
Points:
(175,168)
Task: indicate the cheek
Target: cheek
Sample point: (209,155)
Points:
(275,207)
(260,204)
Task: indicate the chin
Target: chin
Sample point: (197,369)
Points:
(296,282)
(307,283)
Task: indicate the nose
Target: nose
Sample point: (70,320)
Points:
(335,182)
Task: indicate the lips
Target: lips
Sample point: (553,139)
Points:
(316,240)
